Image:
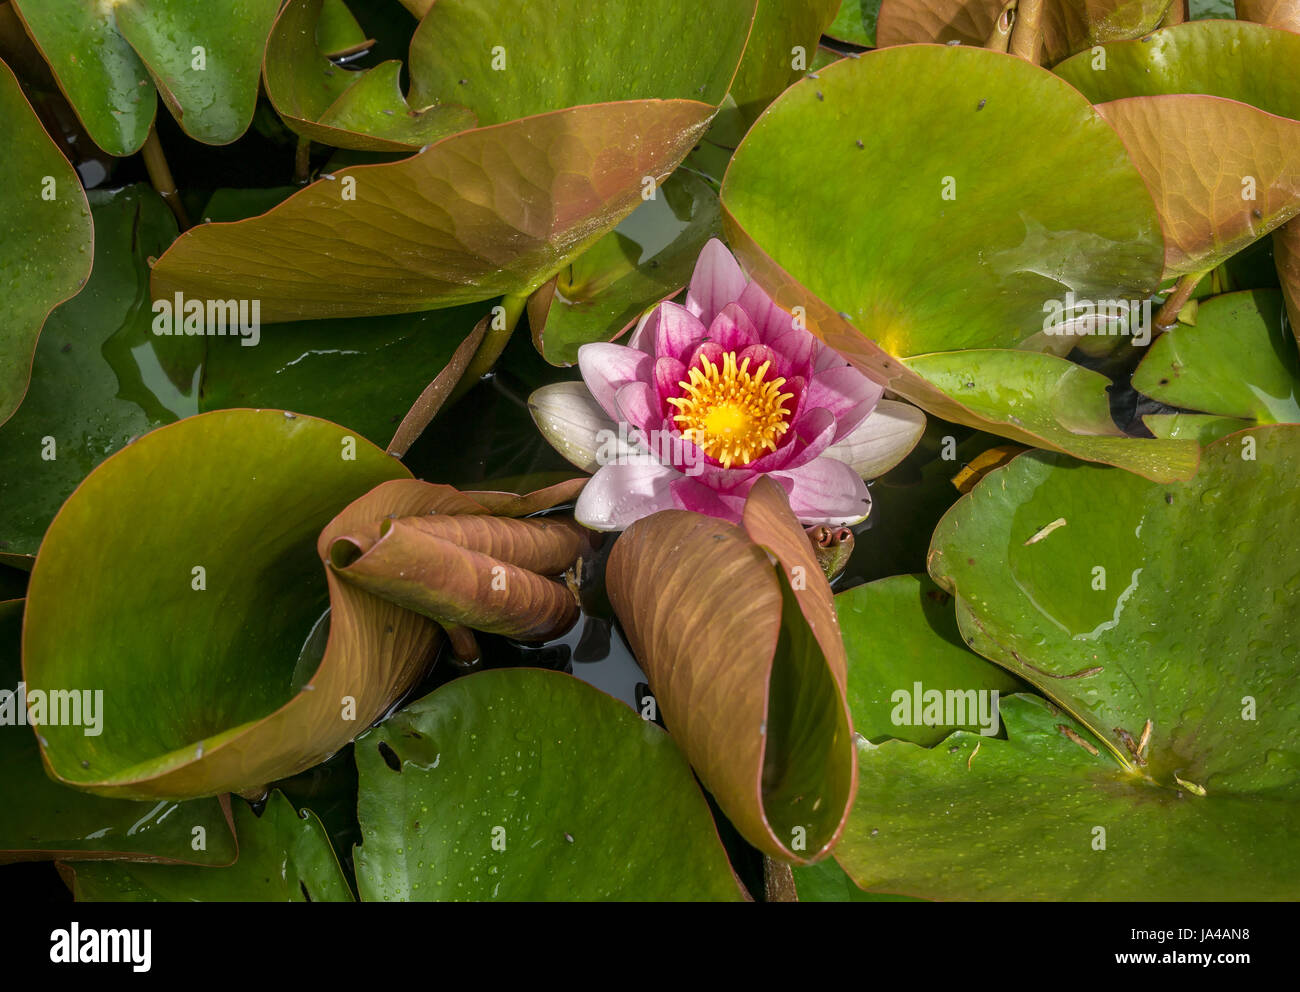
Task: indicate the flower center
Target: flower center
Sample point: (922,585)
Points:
(729,413)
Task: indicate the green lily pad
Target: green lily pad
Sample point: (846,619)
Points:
(1236,60)
(363,373)
(522,784)
(1054,404)
(643,261)
(343,107)
(1237,362)
(781,48)
(1201,428)
(216,519)
(843,186)
(1153,637)
(54,821)
(461,222)
(855,22)
(826,881)
(204,59)
(99,72)
(284,856)
(904,626)
(505,61)
(43,258)
(100,377)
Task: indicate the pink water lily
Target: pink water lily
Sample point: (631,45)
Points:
(709,396)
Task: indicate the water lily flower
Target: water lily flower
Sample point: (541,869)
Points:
(711,395)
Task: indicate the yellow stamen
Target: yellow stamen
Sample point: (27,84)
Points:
(731,414)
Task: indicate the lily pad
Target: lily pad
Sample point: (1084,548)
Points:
(504,60)
(344,107)
(476,215)
(110,60)
(855,22)
(1236,362)
(524,784)
(1150,638)
(43,258)
(781,48)
(1235,60)
(1283,14)
(284,856)
(901,631)
(1053,404)
(643,261)
(100,376)
(746,664)
(245,703)
(1222,173)
(54,821)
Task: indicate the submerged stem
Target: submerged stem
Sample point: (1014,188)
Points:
(1027,32)
(160,174)
(302,161)
(1176,300)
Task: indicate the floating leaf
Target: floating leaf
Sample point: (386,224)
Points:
(643,261)
(284,856)
(780,49)
(855,22)
(1046,814)
(481,213)
(483,54)
(903,640)
(807,202)
(43,258)
(745,661)
(342,107)
(1222,173)
(100,376)
(204,59)
(527,785)
(215,519)
(1275,13)
(1237,362)
(1235,60)
(53,821)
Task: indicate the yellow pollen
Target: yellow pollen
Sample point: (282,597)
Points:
(731,414)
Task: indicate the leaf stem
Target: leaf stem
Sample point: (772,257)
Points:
(1027,32)
(494,343)
(1176,300)
(160,174)
(302,161)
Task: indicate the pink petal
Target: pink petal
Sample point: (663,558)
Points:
(676,330)
(639,405)
(732,330)
(716,282)
(769,320)
(798,348)
(706,349)
(669,375)
(826,491)
(846,393)
(607,368)
(619,495)
(698,498)
(881,441)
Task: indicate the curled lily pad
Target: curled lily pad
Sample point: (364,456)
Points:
(111,58)
(284,856)
(44,258)
(54,821)
(531,785)
(781,47)
(445,555)
(215,519)
(1237,362)
(342,107)
(1275,13)
(745,661)
(1286,252)
(643,261)
(1222,173)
